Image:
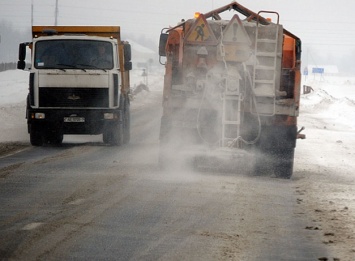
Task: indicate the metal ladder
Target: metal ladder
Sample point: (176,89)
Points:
(231,114)
(265,66)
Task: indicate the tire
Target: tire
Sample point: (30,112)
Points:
(277,162)
(56,139)
(127,126)
(276,149)
(36,138)
(283,163)
(262,163)
(105,136)
(113,134)
(117,135)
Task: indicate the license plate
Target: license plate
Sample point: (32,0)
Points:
(74,119)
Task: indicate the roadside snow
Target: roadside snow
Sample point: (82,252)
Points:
(324,175)
(333,103)
(13,87)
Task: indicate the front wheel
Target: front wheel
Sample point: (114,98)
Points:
(127,126)
(55,138)
(36,138)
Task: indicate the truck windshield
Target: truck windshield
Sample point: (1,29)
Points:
(73,54)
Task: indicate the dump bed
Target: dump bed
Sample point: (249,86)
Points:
(103,31)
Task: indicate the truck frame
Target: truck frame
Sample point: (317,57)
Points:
(78,83)
(231,88)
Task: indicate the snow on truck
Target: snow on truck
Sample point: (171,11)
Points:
(232,90)
(78,83)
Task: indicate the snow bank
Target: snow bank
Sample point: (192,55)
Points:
(332,100)
(13,87)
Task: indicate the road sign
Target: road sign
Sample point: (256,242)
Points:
(200,32)
(235,32)
(318,70)
(305,71)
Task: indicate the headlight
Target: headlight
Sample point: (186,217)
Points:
(39,115)
(109,116)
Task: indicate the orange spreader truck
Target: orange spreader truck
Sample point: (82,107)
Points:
(78,83)
(231,91)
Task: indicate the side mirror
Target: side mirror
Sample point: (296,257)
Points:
(162,43)
(127,52)
(128,66)
(298,49)
(22,51)
(21,65)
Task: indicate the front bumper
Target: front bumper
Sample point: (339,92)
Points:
(74,121)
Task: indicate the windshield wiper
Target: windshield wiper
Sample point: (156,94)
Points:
(71,66)
(52,68)
(93,66)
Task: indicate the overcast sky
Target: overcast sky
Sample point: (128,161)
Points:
(326,26)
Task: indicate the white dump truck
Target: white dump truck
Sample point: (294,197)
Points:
(79,83)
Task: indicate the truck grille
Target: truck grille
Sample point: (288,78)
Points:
(73,97)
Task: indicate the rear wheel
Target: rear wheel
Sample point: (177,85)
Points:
(274,161)
(275,151)
(262,163)
(283,163)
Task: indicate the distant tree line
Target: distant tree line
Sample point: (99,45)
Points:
(10,39)
(7,66)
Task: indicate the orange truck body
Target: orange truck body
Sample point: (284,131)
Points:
(234,85)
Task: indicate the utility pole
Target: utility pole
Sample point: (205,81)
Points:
(56,13)
(31,13)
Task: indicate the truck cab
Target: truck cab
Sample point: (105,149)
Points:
(78,84)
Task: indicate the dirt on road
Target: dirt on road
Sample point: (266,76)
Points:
(7,148)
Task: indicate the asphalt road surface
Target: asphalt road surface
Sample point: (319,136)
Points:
(89,201)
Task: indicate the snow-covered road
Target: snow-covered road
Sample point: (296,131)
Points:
(324,176)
